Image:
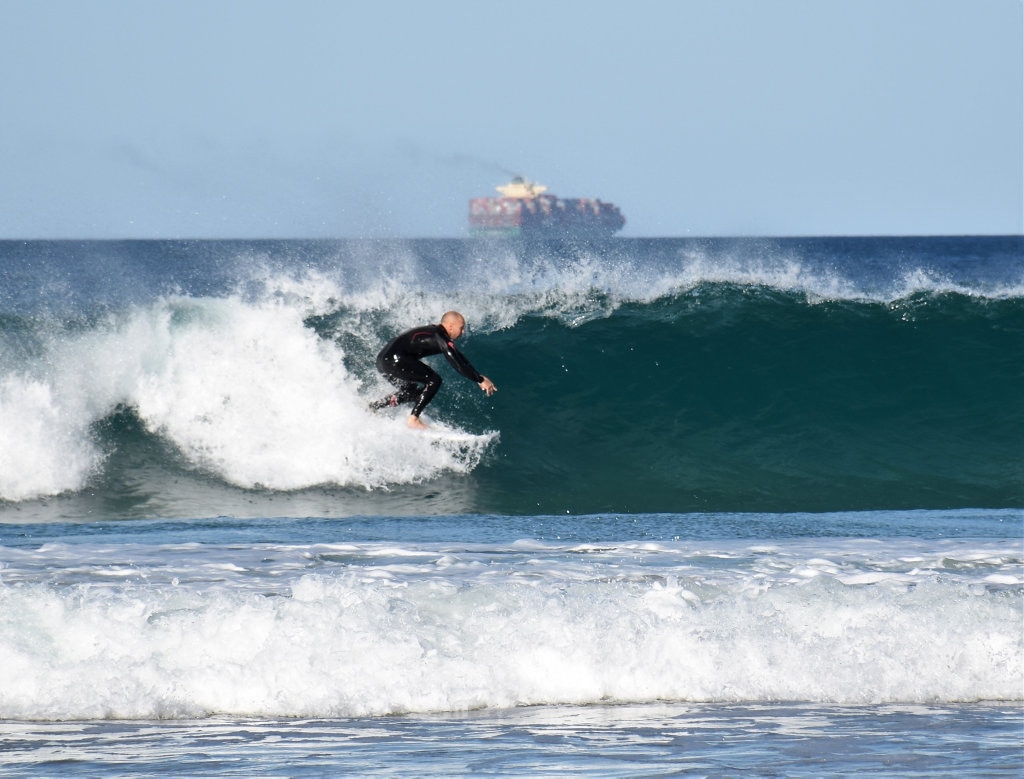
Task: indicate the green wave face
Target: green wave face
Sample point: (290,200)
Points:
(740,399)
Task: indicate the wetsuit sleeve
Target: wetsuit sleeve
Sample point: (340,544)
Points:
(458,360)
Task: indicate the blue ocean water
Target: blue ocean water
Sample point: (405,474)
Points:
(740,507)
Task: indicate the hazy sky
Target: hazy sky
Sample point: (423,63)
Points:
(298,118)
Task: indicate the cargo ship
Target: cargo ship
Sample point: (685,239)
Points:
(525,210)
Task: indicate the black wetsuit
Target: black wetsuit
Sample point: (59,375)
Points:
(417,383)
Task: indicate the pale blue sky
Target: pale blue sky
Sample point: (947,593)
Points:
(296,118)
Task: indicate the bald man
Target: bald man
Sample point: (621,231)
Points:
(417,383)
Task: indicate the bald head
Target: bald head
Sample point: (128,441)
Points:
(454,324)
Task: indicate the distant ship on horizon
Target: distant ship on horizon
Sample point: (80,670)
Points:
(524,210)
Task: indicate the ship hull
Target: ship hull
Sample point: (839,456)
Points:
(544,216)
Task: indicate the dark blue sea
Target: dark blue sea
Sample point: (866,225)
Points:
(741,507)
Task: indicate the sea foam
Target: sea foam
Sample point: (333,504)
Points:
(241,389)
(328,630)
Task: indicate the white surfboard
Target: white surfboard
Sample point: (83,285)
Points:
(456,436)
(445,435)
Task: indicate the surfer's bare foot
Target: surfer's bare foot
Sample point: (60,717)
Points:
(415,423)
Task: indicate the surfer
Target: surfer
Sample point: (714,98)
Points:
(417,383)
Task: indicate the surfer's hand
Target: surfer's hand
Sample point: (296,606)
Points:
(488,386)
